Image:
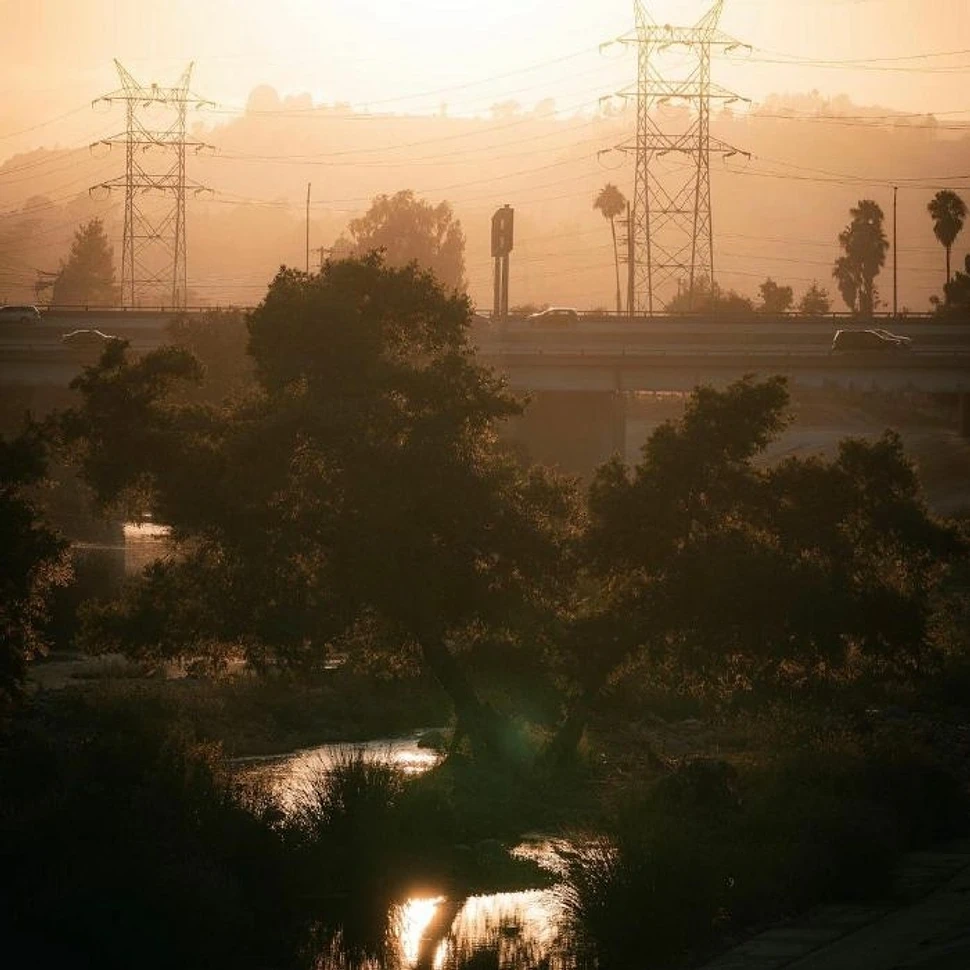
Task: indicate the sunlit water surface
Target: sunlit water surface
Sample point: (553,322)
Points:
(507,931)
(517,930)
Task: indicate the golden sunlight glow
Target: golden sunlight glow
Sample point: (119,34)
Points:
(415,917)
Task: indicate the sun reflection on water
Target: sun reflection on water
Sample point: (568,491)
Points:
(520,928)
(413,920)
(290,776)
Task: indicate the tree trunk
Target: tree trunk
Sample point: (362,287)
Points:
(616,263)
(565,741)
(948,273)
(477,720)
(866,300)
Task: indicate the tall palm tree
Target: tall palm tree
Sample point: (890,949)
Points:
(864,245)
(611,202)
(948,212)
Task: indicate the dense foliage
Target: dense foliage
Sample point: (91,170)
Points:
(948,212)
(864,246)
(775,298)
(357,494)
(33,561)
(356,498)
(728,574)
(408,229)
(815,301)
(87,278)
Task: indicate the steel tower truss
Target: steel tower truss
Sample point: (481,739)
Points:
(673,237)
(153,253)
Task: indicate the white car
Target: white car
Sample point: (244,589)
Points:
(87,339)
(19,314)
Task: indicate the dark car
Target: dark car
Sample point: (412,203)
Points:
(19,314)
(908,341)
(880,341)
(555,316)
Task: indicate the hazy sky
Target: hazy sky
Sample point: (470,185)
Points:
(56,55)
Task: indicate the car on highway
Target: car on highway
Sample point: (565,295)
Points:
(554,316)
(87,340)
(865,341)
(19,314)
(908,341)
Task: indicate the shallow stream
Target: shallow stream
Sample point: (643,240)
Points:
(511,931)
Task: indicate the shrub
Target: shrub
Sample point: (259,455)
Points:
(706,850)
(125,842)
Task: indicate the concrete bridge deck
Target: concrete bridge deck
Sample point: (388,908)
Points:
(606,354)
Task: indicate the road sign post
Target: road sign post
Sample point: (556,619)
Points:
(503,224)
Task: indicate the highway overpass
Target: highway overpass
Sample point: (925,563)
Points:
(587,369)
(608,354)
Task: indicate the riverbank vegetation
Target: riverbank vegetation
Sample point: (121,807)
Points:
(720,678)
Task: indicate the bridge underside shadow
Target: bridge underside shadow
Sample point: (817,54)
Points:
(574,431)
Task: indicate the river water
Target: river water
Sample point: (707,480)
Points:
(506,931)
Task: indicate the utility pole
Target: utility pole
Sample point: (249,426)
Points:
(308,228)
(895,256)
(672,228)
(154,252)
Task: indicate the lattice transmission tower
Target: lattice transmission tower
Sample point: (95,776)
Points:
(154,256)
(672,246)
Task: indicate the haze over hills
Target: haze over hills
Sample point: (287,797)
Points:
(777,214)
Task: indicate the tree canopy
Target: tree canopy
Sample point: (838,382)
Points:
(864,245)
(948,212)
(775,298)
(87,278)
(710,299)
(33,561)
(356,495)
(815,302)
(957,291)
(409,229)
(356,499)
(705,565)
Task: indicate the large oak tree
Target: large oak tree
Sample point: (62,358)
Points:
(357,495)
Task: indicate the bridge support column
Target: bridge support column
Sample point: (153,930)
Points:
(574,430)
(619,424)
(965,414)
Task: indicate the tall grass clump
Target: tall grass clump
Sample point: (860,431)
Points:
(354,853)
(637,902)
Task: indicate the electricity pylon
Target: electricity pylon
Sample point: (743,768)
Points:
(672,228)
(153,251)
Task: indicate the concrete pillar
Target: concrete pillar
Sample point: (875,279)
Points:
(574,430)
(619,423)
